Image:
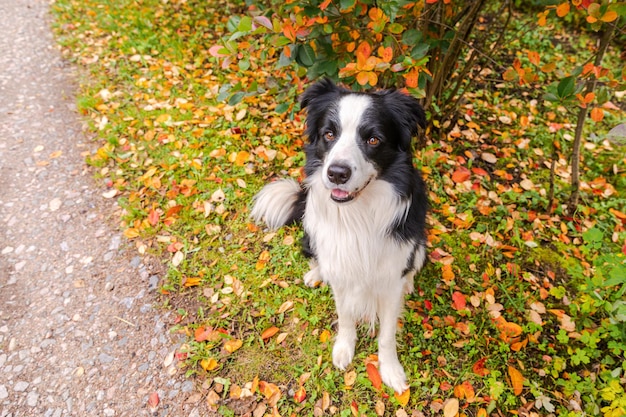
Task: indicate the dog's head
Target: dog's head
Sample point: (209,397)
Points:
(356,137)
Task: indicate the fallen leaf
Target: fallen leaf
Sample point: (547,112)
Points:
(517,380)
(461,174)
(268,333)
(300,395)
(479,367)
(153,401)
(451,407)
(403,398)
(374,376)
(232,345)
(349,378)
(208,364)
(488,157)
(458,301)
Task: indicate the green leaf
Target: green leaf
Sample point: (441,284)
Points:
(236,98)
(566,87)
(346,4)
(245,24)
(306,56)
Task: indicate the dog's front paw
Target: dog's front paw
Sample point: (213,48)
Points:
(343,352)
(313,277)
(392,374)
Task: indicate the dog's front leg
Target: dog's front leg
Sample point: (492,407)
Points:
(343,349)
(391,371)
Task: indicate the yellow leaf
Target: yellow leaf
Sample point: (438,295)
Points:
(232,345)
(517,380)
(451,408)
(241,158)
(208,364)
(403,398)
(131,232)
(324,336)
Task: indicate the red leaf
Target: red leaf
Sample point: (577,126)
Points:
(429,306)
(461,174)
(153,400)
(374,375)
(458,300)
(480,172)
(300,395)
(153,217)
(479,367)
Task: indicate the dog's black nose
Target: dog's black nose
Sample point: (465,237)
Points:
(339,174)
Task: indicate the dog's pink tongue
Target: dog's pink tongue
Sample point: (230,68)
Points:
(340,194)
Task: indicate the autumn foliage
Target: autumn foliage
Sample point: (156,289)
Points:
(520,309)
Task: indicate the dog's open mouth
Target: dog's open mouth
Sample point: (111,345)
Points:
(341,196)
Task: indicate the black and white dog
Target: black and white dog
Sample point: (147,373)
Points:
(363,207)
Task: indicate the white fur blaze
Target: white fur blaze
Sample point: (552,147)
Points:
(275,202)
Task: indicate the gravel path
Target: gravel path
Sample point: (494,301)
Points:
(79,333)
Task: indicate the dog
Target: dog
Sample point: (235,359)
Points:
(363,207)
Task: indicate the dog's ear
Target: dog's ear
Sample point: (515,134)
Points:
(406,110)
(318,90)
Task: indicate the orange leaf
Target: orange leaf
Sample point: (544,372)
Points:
(241,158)
(458,300)
(403,398)
(517,380)
(461,174)
(479,367)
(289,31)
(324,336)
(267,333)
(533,57)
(374,375)
(363,51)
(465,390)
(609,16)
(562,9)
(362,78)
(386,54)
(597,114)
(411,78)
(447,273)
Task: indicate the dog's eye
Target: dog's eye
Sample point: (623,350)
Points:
(329,136)
(373,141)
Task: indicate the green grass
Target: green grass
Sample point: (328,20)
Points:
(187,165)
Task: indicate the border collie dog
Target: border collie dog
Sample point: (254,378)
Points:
(363,207)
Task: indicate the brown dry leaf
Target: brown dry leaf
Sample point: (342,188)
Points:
(287,305)
(349,378)
(451,408)
(379,408)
